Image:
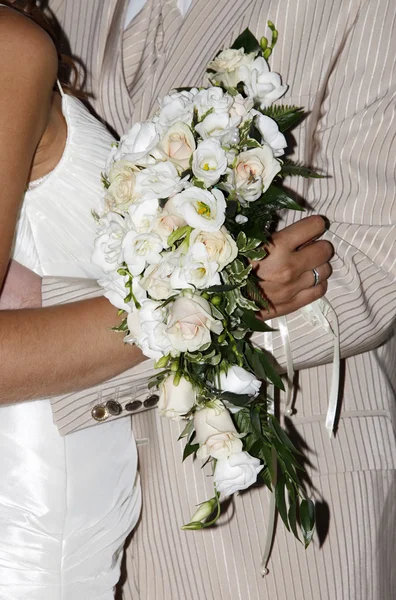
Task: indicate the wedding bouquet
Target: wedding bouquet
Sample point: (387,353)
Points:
(189,200)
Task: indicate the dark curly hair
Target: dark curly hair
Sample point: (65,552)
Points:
(68,74)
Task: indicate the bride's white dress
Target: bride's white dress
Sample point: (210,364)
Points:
(66,504)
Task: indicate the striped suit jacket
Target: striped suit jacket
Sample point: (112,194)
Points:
(338,59)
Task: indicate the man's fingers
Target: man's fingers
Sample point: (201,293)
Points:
(300,233)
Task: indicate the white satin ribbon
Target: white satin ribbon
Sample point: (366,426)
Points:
(268,345)
(317,313)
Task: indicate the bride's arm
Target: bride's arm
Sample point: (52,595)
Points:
(52,350)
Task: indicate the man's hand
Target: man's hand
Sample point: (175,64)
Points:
(21,288)
(286,273)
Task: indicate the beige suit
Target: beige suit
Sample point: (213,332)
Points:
(338,59)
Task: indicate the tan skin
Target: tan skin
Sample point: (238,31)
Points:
(49,351)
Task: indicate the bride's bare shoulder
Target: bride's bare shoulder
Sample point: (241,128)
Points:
(26,50)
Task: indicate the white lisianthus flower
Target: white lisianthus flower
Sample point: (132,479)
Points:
(190,323)
(209,162)
(158,181)
(239,381)
(215,432)
(156,280)
(270,134)
(141,249)
(147,329)
(176,400)
(178,144)
(166,223)
(213,98)
(177,107)
(201,209)
(237,472)
(136,145)
(122,189)
(108,252)
(219,126)
(241,107)
(142,214)
(254,171)
(227,63)
(220,245)
(116,292)
(261,84)
(195,270)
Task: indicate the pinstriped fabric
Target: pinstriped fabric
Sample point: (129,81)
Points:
(338,58)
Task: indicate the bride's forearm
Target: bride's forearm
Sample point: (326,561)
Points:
(59,349)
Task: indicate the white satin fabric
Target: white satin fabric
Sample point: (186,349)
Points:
(66,504)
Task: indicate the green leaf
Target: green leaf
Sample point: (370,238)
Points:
(295,169)
(254,292)
(247,41)
(307,519)
(256,254)
(278,197)
(282,436)
(241,240)
(292,516)
(236,399)
(187,431)
(189,449)
(270,372)
(231,302)
(281,500)
(285,116)
(214,289)
(178,233)
(250,320)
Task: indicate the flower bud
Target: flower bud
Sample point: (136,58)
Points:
(216,300)
(263,43)
(204,510)
(192,526)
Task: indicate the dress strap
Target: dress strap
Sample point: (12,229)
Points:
(62,93)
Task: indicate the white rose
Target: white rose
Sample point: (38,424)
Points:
(215,432)
(213,98)
(219,245)
(190,323)
(227,63)
(122,189)
(141,249)
(108,253)
(160,180)
(254,171)
(116,292)
(178,144)
(142,214)
(176,400)
(270,134)
(201,209)
(239,381)
(177,107)
(238,472)
(219,126)
(156,280)
(165,224)
(136,145)
(209,162)
(241,107)
(195,270)
(261,84)
(147,329)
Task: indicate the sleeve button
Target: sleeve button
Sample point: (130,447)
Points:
(132,406)
(100,412)
(114,408)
